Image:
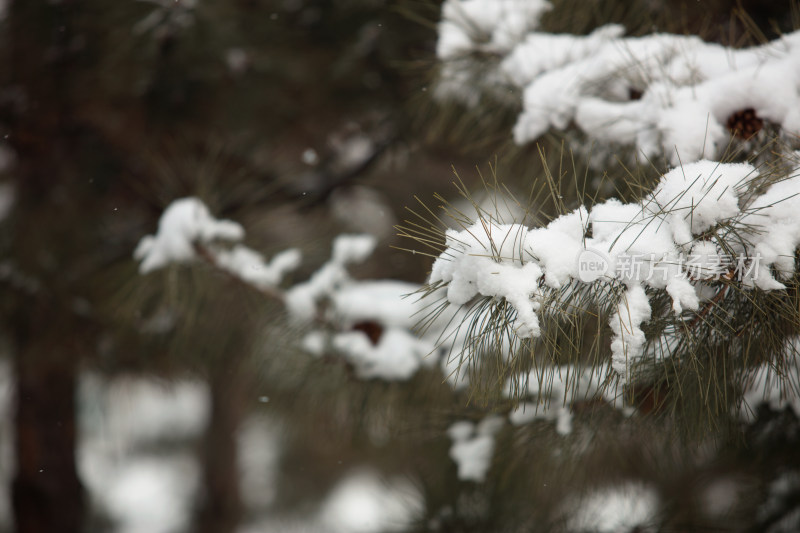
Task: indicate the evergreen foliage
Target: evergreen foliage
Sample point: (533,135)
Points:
(269,135)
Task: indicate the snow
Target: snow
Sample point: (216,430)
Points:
(473,447)
(392,303)
(259,448)
(137,411)
(486,25)
(153,494)
(780,492)
(329,297)
(774,232)
(355,151)
(397,356)
(397,353)
(251,267)
(363,210)
(775,385)
(508,260)
(699,196)
(722,496)
(527,412)
(616,509)
(185,222)
(486,259)
(301,300)
(666,95)
(349,249)
(314,343)
(688,88)
(564,385)
(237,60)
(121,423)
(660,243)
(527,60)
(557,246)
(137,451)
(363,502)
(628,344)
(309,157)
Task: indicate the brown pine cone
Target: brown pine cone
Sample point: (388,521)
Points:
(745,123)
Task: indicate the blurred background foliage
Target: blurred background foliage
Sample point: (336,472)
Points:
(110,110)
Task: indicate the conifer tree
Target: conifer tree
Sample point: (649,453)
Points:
(607,339)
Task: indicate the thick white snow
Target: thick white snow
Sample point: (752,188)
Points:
(628,344)
(153,494)
(389,302)
(302,299)
(489,261)
(188,222)
(364,502)
(660,243)
(687,88)
(250,266)
(473,447)
(121,420)
(486,25)
(185,222)
(615,509)
(777,385)
(543,52)
(774,232)
(331,297)
(397,356)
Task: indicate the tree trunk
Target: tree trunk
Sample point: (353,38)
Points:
(48,222)
(221,507)
(47,494)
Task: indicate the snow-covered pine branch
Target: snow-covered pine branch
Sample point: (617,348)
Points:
(187,232)
(703,229)
(705,208)
(672,95)
(370,324)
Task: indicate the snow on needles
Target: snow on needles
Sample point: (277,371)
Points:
(776,384)
(302,299)
(486,25)
(340,307)
(516,264)
(185,222)
(664,94)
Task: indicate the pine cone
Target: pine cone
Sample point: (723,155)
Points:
(371,329)
(745,123)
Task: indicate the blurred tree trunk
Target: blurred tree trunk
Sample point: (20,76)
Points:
(48,334)
(47,494)
(48,224)
(221,507)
